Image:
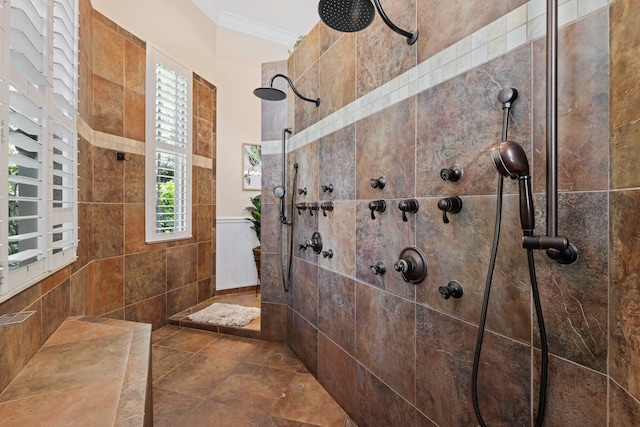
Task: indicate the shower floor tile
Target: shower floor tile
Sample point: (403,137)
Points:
(205,378)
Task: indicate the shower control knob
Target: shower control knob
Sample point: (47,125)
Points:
(449,204)
(452,174)
(378,182)
(453,289)
(378,268)
(327,254)
(302,191)
(278,192)
(326,206)
(412,265)
(409,205)
(313,207)
(377,206)
(327,188)
(301,207)
(304,247)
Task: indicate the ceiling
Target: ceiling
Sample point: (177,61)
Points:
(280,21)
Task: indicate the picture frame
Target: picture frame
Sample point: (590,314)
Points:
(251,167)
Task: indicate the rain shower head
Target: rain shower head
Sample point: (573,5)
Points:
(349,16)
(272,94)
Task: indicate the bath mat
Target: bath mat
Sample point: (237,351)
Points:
(226,315)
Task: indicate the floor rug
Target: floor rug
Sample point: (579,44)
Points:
(226,315)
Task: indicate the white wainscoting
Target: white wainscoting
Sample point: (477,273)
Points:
(235,267)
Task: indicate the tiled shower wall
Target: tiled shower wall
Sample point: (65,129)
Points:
(392,353)
(117,274)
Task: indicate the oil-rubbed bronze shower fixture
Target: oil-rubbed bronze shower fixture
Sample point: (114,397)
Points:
(377,206)
(349,16)
(408,205)
(272,94)
(412,265)
(314,243)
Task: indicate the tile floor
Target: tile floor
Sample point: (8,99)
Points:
(203,378)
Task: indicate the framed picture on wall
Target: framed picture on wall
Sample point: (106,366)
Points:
(251,167)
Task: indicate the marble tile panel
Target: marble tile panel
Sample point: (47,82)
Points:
(108,106)
(443,24)
(145,276)
(203,142)
(574,298)
(575,395)
(272,289)
(386,146)
(273,319)
(134,230)
(134,115)
(274,114)
(303,340)
(307,113)
(461,251)
(85,30)
(205,222)
(85,170)
(232,347)
(182,298)
(170,408)
(55,279)
(206,102)
(56,308)
(182,271)
(271,177)
(165,359)
(135,66)
(108,53)
(108,177)
(277,356)
(85,90)
(106,286)
(377,404)
(625,116)
(304,400)
(22,341)
(583,107)
(253,388)
(328,36)
(204,185)
(204,260)
(381,53)
(624,323)
(337,309)
(205,289)
(152,311)
(338,75)
(198,376)
(305,290)
(306,54)
(337,230)
(134,179)
(78,292)
(337,373)
(271,226)
(382,240)
(624,410)
(385,330)
(337,164)
(210,412)
(443,367)
(190,340)
(466,131)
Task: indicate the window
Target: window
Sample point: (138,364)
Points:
(38,213)
(168,148)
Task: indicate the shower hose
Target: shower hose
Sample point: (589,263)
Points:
(286,282)
(483,318)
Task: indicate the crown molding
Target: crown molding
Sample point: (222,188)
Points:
(256,29)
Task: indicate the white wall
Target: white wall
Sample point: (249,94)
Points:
(239,65)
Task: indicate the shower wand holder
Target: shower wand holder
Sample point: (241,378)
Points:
(558,248)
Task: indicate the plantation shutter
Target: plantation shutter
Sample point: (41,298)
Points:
(38,157)
(168,149)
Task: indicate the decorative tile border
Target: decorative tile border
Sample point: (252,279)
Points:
(126,145)
(518,27)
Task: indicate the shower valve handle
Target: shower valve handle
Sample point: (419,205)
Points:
(409,205)
(301,207)
(378,268)
(302,191)
(326,206)
(377,206)
(453,289)
(327,254)
(313,207)
(449,204)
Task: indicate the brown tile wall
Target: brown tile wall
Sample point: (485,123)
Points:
(117,274)
(398,354)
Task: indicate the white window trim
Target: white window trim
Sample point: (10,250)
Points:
(155,56)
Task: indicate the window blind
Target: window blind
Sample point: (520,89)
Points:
(169,157)
(39,140)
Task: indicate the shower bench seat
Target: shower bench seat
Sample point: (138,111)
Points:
(92,371)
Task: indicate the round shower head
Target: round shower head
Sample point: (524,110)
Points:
(346,16)
(510,159)
(269,94)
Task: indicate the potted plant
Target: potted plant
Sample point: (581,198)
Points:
(256,212)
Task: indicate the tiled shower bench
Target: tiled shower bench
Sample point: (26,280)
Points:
(91,372)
